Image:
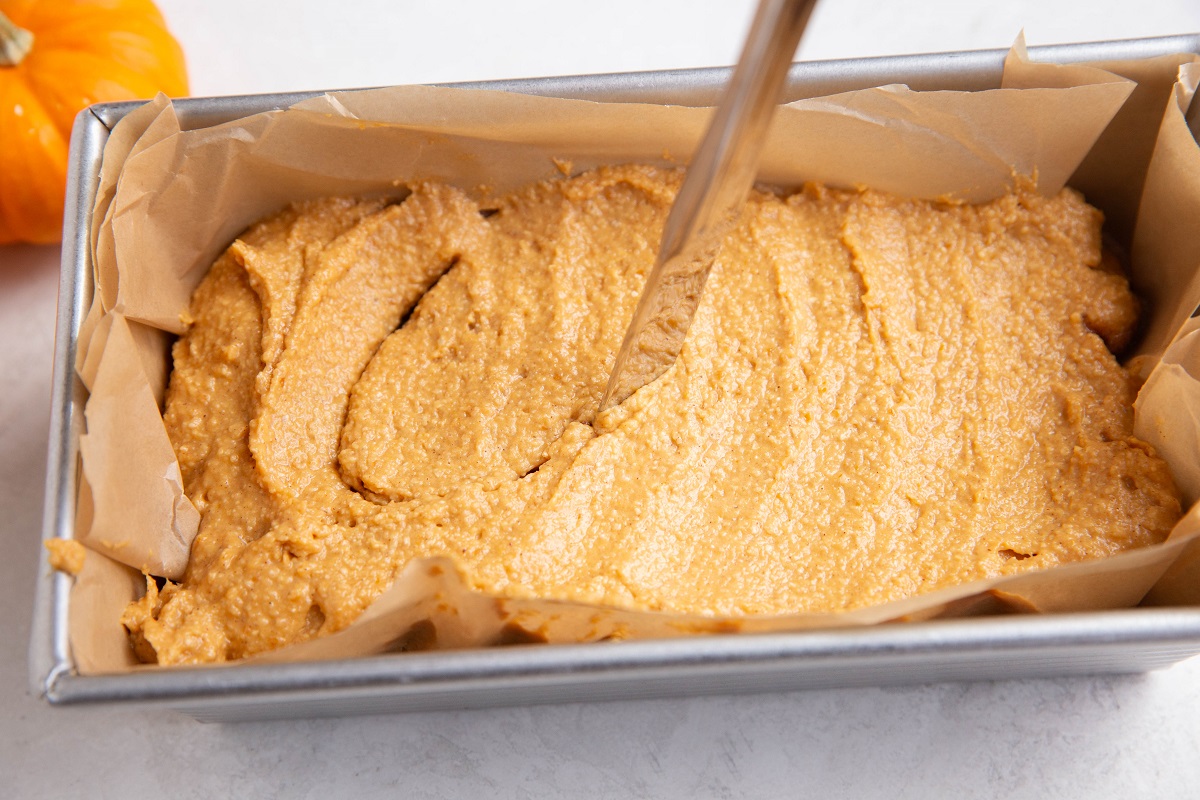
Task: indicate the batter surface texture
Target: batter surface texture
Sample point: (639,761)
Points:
(878,397)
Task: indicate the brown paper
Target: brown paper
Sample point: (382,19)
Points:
(180,197)
(1169,405)
(144,124)
(98,596)
(149,530)
(1120,158)
(1170,216)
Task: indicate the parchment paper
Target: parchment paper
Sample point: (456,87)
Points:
(170,201)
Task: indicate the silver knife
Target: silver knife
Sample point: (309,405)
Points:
(718,178)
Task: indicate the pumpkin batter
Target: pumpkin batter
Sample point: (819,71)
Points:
(878,397)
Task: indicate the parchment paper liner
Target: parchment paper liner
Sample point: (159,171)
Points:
(170,201)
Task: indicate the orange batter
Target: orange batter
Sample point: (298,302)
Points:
(878,397)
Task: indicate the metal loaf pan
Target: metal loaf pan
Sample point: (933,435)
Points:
(1131,640)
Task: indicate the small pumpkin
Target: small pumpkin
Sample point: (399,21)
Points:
(57,58)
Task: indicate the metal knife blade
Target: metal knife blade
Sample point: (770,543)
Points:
(716,183)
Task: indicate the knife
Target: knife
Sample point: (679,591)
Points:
(714,187)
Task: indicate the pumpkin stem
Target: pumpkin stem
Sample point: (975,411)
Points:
(15,42)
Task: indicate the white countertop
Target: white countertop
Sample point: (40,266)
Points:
(1135,736)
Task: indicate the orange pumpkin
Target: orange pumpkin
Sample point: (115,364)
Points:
(57,58)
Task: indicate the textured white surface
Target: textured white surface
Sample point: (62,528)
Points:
(1099,738)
